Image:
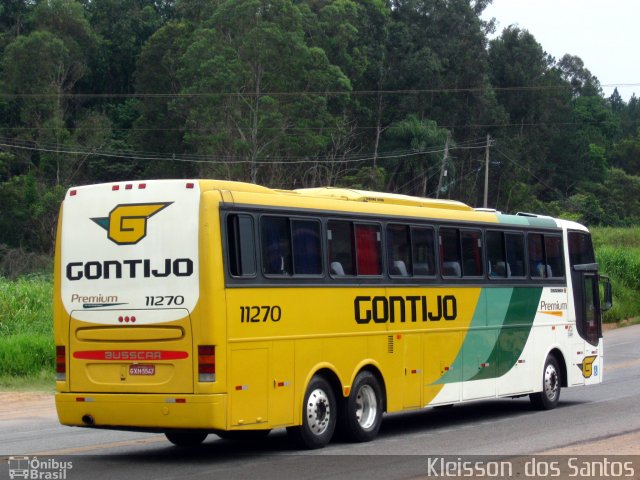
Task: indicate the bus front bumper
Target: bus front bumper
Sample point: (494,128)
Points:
(152,412)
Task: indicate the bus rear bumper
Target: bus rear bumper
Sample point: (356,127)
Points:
(152,412)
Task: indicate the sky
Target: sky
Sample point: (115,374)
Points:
(605,34)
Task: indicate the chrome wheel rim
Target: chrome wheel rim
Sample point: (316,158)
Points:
(551,382)
(366,407)
(318,411)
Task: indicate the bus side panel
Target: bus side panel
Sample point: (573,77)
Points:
(248,385)
(281,399)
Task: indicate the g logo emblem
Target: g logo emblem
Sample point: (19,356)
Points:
(127,224)
(587,366)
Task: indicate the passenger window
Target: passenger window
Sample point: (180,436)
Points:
(450,265)
(276,245)
(515,254)
(399,250)
(341,246)
(241,245)
(545,256)
(424,252)
(368,249)
(537,266)
(496,257)
(553,250)
(471,253)
(307,249)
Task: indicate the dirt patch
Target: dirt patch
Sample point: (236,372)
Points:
(624,444)
(622,323)
(14,405)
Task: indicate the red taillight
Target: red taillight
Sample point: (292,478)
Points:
(206,363)
(61,363)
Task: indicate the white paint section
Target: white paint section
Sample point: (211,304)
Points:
(158,274)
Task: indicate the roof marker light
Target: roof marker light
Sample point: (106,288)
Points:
(142,186)
(190,185)
(115,188)
(73,193)
(128,186)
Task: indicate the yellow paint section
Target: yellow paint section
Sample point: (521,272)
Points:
(313,328)
(128,223)
(555,313)
(144,410)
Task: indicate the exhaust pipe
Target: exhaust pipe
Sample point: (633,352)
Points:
(88,420)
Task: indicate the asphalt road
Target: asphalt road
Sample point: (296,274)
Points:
(587,419)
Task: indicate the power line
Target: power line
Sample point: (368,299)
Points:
(302,92)
(223,159)
(525,168)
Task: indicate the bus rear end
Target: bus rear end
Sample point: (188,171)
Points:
(126,288)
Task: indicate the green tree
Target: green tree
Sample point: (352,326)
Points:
(415,170)
(246,104)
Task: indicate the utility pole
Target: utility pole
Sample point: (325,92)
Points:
(444,163)
(486,171)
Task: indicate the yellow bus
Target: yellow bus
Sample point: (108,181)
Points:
(191,307)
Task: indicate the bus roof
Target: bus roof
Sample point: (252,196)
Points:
(333,198)
(381,197)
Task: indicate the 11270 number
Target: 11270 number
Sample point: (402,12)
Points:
(263,313)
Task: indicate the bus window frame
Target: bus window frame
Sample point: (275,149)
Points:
(227,250)
(327,278)
(508,278)
(482,247)
(545,278)
(291,275)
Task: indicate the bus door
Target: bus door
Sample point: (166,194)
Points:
(587,352)
(586,294)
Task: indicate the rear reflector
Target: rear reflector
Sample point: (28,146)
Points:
(206,363)
(61,363)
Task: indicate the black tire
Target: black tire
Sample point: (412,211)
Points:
(319,411)
(362,415)
(186,438)
(243,435)
(549,397)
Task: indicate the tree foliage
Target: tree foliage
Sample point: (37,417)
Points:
(360,93)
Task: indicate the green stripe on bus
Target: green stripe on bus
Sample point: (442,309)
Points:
(513,334)
(480,337)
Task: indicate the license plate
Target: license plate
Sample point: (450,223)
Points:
(142,369)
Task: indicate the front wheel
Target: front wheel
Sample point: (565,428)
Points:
(363,414)
(318,416)
(549,397)
(186,439)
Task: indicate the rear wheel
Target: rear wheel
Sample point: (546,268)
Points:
(363,414)
(186,439)
(318,416)
(549,397)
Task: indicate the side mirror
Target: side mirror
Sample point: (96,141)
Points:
(608,293)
